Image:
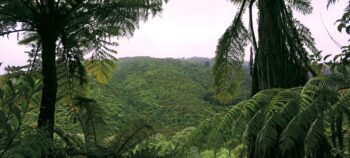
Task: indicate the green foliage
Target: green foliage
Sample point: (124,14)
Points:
(340,62)
(284,122)
(97,119)
(164,147)
(67,30)
(161,90)
(227,70)
(17,98)
(159,146)
(101,116)
(90,116)
(33,144)
(171,96)
(102,71)
(118,144)
(280,52)
(79,27)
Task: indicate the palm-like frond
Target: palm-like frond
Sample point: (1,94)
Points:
(280,39)
(281,109)
(317,97)
(227,127)
(131,135)
(284,123)
(227,70)
(331,2)
(102,70)
(302,6)
(306,37)
(316,141)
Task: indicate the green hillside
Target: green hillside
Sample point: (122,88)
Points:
(167,96)
(174,93)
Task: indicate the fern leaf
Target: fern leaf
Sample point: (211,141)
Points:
(227,70)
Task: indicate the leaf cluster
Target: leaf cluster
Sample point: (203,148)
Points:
(298,122)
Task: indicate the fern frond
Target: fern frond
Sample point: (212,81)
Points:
(284,123)
(29,38)
(306,37)
(227,70)
(302,6)
(318,95)
(251,132)
(282,108)
(331,2)
(316,144)
(101,70)
(130,136)
(343,106)
(227,128)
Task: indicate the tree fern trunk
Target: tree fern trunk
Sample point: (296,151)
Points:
(276,64)
(47,30)
(47,108)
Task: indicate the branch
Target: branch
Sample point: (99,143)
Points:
(74,7)
(334,41)
(29,6)
(242,9)
(252,26)
(57,4)
(40,6)
(35,56)
(51,6)
(15,31)
(67,138)
(14,18)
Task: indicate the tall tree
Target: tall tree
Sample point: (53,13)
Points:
(74,28)
(278,59)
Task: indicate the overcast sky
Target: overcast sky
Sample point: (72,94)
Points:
(190,28)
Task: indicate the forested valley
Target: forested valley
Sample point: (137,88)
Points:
(74,98)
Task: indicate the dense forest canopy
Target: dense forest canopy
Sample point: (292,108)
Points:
(74,98)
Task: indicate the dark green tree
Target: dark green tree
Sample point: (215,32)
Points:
(278,59)
(71,28)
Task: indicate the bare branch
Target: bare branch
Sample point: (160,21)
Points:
(15,31)
(255,45)
(40,6)
(324,26)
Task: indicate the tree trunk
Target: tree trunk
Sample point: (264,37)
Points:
(277,63)
(46,119)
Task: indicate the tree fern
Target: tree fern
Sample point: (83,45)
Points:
(232,122)
(281,109)
(71,27)
(282,42)
(284,123)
